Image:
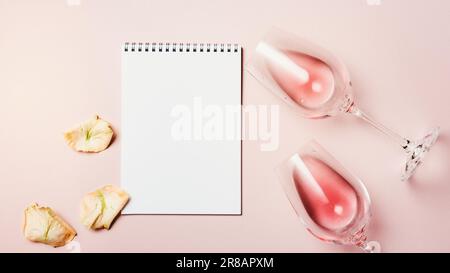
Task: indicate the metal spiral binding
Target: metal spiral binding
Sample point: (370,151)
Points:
(180,47)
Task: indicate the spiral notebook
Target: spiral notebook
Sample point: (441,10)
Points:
(181,128)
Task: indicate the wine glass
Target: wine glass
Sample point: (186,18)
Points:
(318,85)
(332,203)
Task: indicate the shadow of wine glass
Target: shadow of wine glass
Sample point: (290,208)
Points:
(431,179)
(432,176)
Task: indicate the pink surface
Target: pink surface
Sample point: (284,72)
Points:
(60,64)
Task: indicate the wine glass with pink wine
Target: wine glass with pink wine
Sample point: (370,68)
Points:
(318,84)
(332,203)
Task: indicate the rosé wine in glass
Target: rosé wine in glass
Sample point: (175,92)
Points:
(333,203)
(328,198)
(306,80)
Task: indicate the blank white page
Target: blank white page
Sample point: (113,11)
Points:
(161,84)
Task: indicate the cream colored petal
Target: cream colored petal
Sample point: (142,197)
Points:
(93,135)
(43,225)
(91,208)
(101,207)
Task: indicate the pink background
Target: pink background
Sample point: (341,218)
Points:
(60,64)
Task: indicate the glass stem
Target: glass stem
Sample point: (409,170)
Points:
(403,142)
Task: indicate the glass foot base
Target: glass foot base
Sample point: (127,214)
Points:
(372,247)
(416,152)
